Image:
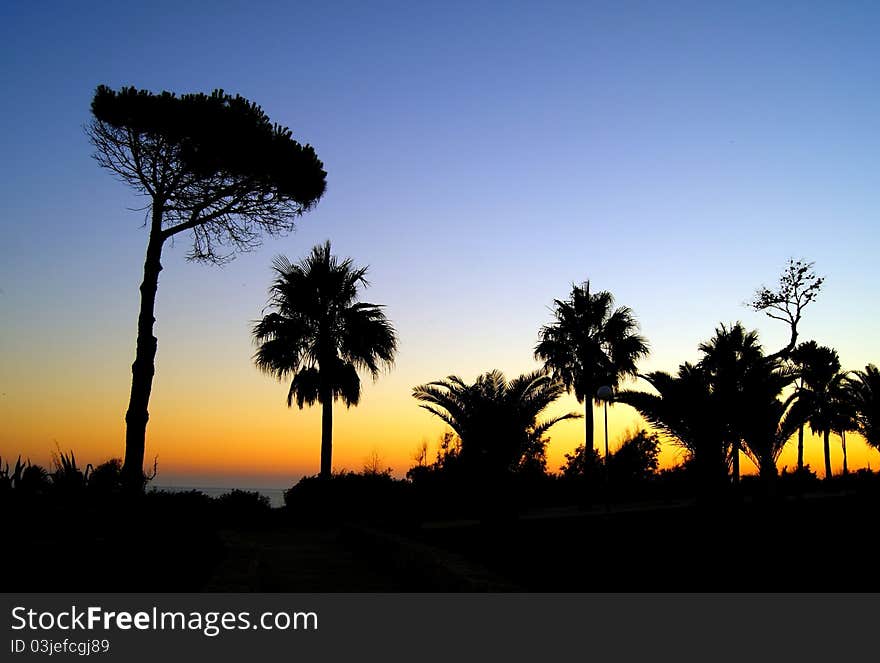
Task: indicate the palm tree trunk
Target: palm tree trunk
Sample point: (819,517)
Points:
(144,367)
(326,432)
(843,445)
(589,442)
(827,449)
(768,474)
(800,464)
(735,462)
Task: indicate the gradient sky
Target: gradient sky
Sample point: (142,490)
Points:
(481,157)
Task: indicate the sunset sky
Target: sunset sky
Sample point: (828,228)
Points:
(481,157)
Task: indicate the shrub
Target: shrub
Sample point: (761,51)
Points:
(242,507)
(67,477)
(105,478)
(350,496)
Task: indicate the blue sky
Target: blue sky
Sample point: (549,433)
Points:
(480,158)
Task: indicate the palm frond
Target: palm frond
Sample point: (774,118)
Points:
(318,331)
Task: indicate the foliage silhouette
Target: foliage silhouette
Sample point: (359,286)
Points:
(448,454)
(686,409)
(729,401)
(320,335)
(243,508)
(798,286)
(728,359)
(24,478)
(67,476)
(864,393)
(768,421)
(350,496)
(496,420)
(802,358)
(845,416)
(211,165)
(588,345)
(824,392)
(580,464)
(106,477)
(634,461)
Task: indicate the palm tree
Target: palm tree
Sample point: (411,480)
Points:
(802,357)
(321,335)
(496,420)
(769,420)
(685,409)
(728,357)
(590,344)
(822,388)
(864,394)
(845,418)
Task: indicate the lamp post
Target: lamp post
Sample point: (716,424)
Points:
(605,394)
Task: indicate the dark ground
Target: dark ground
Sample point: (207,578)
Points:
(819,543)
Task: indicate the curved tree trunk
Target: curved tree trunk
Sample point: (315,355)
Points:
(144,366)
(326,432)
(827,449)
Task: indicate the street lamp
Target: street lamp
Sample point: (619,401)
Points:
(605,394)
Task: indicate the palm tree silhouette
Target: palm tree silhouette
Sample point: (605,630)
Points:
(496,420)
(768,421)
(864,394)
(803,357)
(686,409)
(845,418)
(590,344)
(322,336)
(823,388)
(728,357)
(729,401)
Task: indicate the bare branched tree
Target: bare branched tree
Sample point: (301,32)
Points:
(210,165)
(798,286)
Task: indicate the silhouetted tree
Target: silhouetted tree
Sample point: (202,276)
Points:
(767,419)
(728,357)
(686,409)
(823,391)
(636,459)
(105,477)
(798,286)
(803,358)
(845,419)
(864,394)
(210,165)
(321,335)
(590,344)
(633,461)
(580,463)
(496,420)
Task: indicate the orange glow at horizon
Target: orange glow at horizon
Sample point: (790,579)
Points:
(252,438)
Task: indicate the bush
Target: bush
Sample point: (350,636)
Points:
(34,480)
(67,477)
(243,507)
(636,459)
(351,496)
(105,478)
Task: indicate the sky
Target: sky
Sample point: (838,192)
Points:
(481,158)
